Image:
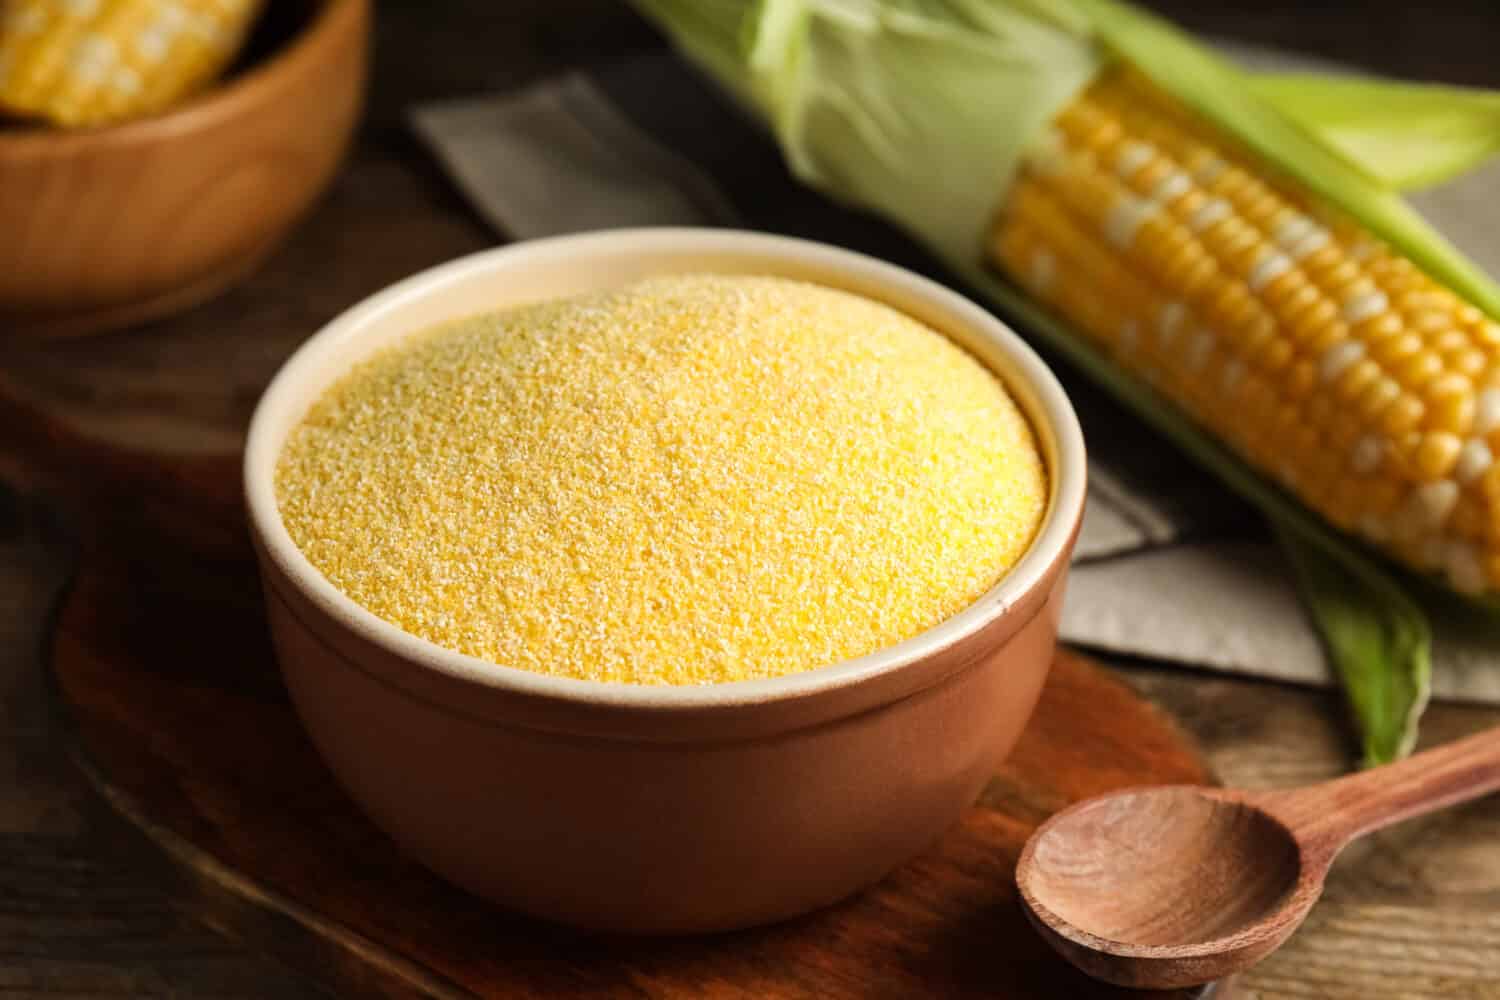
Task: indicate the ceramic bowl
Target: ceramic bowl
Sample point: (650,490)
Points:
(107,227)
(662,809)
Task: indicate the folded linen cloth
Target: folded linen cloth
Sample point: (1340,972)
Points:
(1170,565)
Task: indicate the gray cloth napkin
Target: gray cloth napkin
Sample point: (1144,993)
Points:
(1170,565)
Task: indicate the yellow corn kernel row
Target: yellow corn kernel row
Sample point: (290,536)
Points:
(1329,362)
(92,62)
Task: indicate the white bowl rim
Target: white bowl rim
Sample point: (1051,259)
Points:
(1065,508)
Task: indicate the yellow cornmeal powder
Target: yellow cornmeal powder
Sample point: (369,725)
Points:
(689,480)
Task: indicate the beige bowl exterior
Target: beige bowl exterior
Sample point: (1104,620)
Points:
(654,809)
(112,226)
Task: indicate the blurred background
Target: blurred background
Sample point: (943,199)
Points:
(78,920)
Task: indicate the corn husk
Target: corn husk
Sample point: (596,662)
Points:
(1406,136)
(921,111)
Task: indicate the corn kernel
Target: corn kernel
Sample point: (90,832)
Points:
(1338,367)
(1469,517)
(1380,395)
(1402,416)
(1394,351)
(1321,263)
(1274,355)
(1319,409)
(1450,403)
(1489,487)
(1444,339)
(1419,369)
(1436,454)
(1306,323)
(1339,276)
(1471,363)
(1302,379)
(1357,380)
(1383,327)
(1345,429)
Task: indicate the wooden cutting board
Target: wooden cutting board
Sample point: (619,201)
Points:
(177,716)
(162,672)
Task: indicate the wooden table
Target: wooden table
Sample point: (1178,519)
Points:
(1412,913)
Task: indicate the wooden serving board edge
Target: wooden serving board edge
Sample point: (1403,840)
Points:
(231,903)
(235,905)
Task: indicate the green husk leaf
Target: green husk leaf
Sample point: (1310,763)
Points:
(1225,96)
(1406,136)
(918,108)
(1378,639)
(921,109)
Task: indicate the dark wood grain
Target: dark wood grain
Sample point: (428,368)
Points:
(75,919)
(76,923)
(1412,913)
(182,725)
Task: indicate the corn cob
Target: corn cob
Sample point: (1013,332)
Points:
(1329,362)
(92,62)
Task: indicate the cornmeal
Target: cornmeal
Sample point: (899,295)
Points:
(690,480)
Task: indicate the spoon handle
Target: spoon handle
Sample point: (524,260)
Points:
(1328,816)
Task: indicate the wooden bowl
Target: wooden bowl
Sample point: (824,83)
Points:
(662,809)
(108,227)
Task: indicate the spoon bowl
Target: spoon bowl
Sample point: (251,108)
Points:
(1164,878)
(1165,888)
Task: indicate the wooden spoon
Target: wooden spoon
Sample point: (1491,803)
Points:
(1163,888)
